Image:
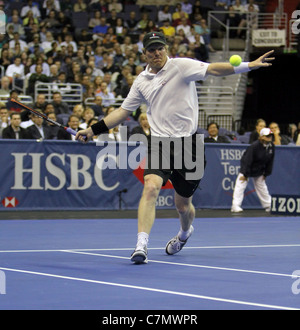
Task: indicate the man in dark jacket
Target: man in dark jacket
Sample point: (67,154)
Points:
(14,131)
(38,130)
(214,137)
(257,162)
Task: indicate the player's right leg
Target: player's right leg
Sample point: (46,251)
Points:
(146,216)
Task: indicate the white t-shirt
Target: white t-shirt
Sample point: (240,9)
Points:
(170,96)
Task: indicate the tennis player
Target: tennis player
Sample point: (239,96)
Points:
(167,86)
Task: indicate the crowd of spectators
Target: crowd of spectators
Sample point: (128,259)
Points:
(94,43)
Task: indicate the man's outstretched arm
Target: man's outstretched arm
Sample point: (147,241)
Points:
(225,69)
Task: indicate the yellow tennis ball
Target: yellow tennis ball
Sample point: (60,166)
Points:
(235,60)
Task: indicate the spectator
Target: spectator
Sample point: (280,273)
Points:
(4,117)
(88,114)
(14,131)
(15,70)
(96,20)
(11,106)
(40,102)
(5,85)
(100,30)
(37,131)
(59,106)
(144,127)
(108,98)
(79,6)
(278,138)
(178,14)
(97,106)
(17,26)
(38,76)
(164,14)
(5,60)
(256,162)
(54,129)
(30,7)
(78,110)
(260,123)
(292,129)
(73,122)
(168,30)
(187,7)
(296,134)
(115,5)
(68,40)
(214,137)
(131,22)
(233,20)
(204,31)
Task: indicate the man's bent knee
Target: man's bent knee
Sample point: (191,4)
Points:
(152,185)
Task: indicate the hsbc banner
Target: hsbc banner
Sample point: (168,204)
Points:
(65,175)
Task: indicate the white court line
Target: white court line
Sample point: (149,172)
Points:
(239,302)
(188,265)
(161,248)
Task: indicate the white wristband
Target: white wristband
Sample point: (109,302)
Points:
(243,67)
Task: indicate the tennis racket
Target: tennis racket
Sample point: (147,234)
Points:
(42,115)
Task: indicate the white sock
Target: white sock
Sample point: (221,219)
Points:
(142,239)
(183,235)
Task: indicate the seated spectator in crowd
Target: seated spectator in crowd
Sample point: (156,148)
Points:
(79,6)
(73,123)
(59,105)
(11,106)
(100,30)
(40,102)
(5,86)
(108,98)
(38,131)
(278,138)
(214,137)
(164,14)
(233,18)
(168,29)
(260,123)
(54,129)
(14,131)
(78,110)
(97,107)
(296,134)
(4,117)
(94,21)
(131,23)
(292,129)
(38,76)
(16,70)
(88,114)
(144,127)
(178,14)
(33,7)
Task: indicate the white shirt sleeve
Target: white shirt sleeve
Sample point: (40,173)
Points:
(133,99)
(192,70)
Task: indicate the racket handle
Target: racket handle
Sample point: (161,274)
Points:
(71,131)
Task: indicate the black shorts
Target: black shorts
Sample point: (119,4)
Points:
(176,174)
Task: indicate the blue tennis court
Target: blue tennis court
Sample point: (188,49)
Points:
(228,263)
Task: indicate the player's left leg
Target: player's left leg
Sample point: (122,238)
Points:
(186,212)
